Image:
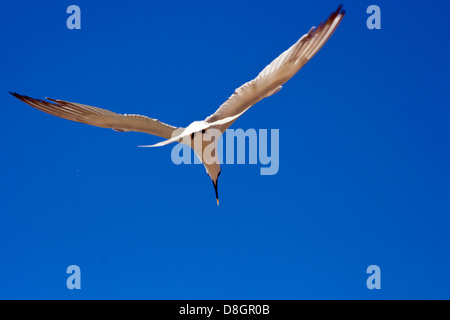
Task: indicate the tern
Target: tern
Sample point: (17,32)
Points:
(268,82)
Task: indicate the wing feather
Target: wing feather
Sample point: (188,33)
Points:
(283,68)
(100,117)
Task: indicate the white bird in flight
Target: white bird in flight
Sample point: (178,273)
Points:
(268,82)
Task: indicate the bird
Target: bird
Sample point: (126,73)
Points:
(268,82)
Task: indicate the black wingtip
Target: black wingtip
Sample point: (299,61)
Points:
(16,95)
(338,12)
(20,97)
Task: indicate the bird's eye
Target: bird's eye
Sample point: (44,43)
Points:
(203,131)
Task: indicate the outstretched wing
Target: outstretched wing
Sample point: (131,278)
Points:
(272,77)
(100,117)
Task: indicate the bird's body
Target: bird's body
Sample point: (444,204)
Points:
(268,82)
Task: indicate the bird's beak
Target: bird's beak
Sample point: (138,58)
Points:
(215,188)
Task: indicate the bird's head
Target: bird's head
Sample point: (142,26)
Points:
(214,173)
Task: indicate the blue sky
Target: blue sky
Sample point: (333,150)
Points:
(364,153)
